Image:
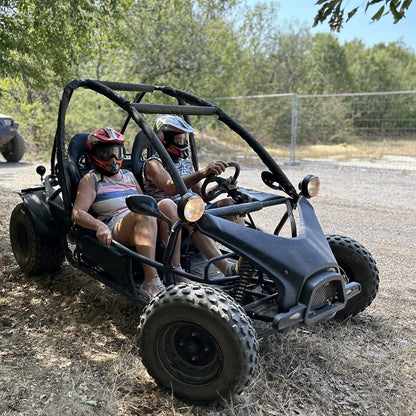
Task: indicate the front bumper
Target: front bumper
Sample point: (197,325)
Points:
(322,297)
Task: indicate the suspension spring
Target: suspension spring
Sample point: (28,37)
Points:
(245,272)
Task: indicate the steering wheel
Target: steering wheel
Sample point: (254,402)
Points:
(222,184)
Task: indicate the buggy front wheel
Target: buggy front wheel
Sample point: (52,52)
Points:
(359,266)
(196,341)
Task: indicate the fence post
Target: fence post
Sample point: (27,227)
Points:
(294,128)
(201,152)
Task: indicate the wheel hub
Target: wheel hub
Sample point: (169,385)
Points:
(190,353)
(195,347)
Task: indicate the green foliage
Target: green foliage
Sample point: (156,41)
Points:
(175,42)
(380,68)
(327,66)
(333,11)
(218,48)
(46,40)
(334,113)
(35,111)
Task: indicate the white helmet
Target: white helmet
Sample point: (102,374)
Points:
(171,126)
(168,122)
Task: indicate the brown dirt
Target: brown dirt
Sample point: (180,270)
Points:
(68,343)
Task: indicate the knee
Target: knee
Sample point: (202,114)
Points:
(225,202)
(168,207)
(145,221)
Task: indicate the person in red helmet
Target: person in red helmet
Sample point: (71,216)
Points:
(104,190)
(106,151)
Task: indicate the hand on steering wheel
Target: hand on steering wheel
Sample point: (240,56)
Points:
(223,185)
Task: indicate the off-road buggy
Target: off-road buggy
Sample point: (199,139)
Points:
(198,339)
(12,145)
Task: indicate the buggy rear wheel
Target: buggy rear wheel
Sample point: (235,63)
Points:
(196,341)
(358,266)
(34,253)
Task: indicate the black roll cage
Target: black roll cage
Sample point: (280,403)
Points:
(288,276)
(188,104)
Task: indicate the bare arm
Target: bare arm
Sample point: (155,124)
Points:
(156,174)
(85,197)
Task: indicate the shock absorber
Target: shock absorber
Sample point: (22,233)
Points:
(245,270)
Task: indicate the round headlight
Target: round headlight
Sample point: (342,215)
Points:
(191,207)
(309,187)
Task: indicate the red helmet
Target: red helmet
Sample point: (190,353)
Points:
(106,149)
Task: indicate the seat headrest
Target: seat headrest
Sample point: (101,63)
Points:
(142,150)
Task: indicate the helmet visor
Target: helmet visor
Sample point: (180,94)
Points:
(108,152)
(176,138)
(181,139)
(177,143)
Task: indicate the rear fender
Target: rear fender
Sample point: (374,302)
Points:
(41,213)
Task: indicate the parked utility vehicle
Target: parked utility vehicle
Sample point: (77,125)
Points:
(197,339)
(12,145)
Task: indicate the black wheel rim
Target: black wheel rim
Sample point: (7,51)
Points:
(189,353)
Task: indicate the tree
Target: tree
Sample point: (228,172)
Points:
(334,11)
(327,70)
(381,67)
(43,41)
(47,43)
(178,42)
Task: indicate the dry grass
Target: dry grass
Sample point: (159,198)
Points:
(68,347)
(220,144)
(368,150)
(352,368)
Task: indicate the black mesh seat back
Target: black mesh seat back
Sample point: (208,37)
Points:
(77,152)
(142,150)
(77,163)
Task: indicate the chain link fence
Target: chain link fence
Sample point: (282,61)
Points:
(361,130)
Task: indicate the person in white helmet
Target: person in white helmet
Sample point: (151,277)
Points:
(104,190)
(173,133)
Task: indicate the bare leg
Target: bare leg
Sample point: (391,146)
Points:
(208,248)
(170,209)
(227,202)
(140,231)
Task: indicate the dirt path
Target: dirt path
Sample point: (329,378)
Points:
(15,176)
(67,343)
